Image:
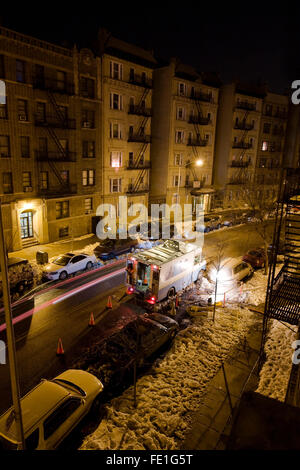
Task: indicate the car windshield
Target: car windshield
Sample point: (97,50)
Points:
(67,384)
(62,260)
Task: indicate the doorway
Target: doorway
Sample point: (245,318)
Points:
(26,222)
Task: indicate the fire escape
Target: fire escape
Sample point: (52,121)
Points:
(240,164)
(49,124)
(283,292)
(140,137)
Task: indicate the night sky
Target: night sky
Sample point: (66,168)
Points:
(248,40)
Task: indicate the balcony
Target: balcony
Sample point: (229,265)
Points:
(139,110)
(197,142)
(54,121)
(240,164)
(201,120)
(57,86)
(146,139)
(58,191)
(242,145)
(43,156)
(140,166)
(200,96)
(143,188)
(140,80)
(246,105)
(244,126)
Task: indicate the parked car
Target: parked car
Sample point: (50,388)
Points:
(256,258)
(109,249)
(51,410)
(231,270)
(210,223)
(156,233)
(20,275)
(67,264)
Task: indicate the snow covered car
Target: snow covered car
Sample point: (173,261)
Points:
(231,270)
(67,264)
(51,410)
(20,275)
(256,258)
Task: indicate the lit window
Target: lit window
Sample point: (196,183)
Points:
(116,159)
(264,146)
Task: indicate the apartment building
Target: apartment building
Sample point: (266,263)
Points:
(127,77)
(50,150)
(185,110)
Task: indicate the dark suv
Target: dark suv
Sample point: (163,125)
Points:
(110,249)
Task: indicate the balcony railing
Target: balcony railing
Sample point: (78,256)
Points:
(143,188)
(139,138)
(141,165)
(240,164)
(140,80)
(242,145)
(57,191)
(58,86)
(200,96)
(246,105)
(197,142)
(43,156)
(54,121)
(201,120)
(244,126)
(139,110)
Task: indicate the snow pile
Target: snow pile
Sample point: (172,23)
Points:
(275,373)
(173,388)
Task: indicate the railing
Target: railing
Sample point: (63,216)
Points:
(139,110)
(246,105)
(58,86)
(141,189)
(200,96)
(54,191)
(139,138)
(53,121)
(197,142)
(140,80)
(43,156)
(240,164)
(201,120)
(243,126)
(242,145)
(140,165)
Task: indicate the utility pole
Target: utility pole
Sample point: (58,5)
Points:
(12,356)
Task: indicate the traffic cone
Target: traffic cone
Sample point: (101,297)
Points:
(109,302)
(60,349)
(92,320)
(145,280)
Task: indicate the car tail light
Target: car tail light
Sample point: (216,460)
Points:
(130,290)
(151,300)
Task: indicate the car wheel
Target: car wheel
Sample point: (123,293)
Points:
(89,265)
(63,275)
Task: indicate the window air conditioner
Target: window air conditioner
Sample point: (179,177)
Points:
(22,117)
(86,124)
(28,189)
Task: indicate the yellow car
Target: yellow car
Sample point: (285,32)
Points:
(51,410)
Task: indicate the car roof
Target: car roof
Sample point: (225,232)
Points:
(231,262)
(35,404)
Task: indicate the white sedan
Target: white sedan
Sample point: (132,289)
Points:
(67,264)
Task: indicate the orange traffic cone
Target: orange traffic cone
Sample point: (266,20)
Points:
(92,320)
(60,349)
(109,302)
(145,280)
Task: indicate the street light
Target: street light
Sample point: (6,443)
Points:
(198,162)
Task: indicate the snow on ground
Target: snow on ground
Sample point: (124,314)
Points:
(275,373)
(171,391)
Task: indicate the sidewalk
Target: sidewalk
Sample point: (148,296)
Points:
(211,424)
(56,248)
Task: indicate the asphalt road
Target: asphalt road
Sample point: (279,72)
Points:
(64,312)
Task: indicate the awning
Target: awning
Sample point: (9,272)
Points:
(199,191)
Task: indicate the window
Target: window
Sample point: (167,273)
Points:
(267,128)
(116,70)
(62,209)
(180,113)
(116,159)
(4,146)
(63,232)
(264,146)
(22,110)
(3,111)
(60,415)
(88,118)
(131,158)
(44,180)
(176,180)
(20,71)
(175,198)
(115,185)
(88,149)
(115,131)
(2,69)
(88,177)
(268,110)
(7,183)
(116,101)
(181,89)
(178,159)
(131,75)
(27,181)
(65,176)
(87,87)
(41,111)
(88,205)
(179,137)
(25,147)
(61,80)
(63,112)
